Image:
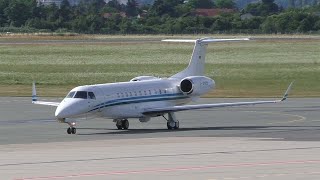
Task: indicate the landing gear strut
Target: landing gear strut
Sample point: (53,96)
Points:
(172,122)
(122,123)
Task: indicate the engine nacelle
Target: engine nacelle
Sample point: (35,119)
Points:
(144,78)
(196,85)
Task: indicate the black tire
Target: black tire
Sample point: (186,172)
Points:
(69,130)
(73,130)
(169,126)
(177,125)
(125,124)
(119,126)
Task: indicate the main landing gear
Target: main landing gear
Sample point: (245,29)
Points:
(172,122)
(122,123)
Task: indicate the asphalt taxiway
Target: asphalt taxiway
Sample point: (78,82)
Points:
(277,141)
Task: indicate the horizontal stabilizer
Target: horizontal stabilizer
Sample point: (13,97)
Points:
(205,40)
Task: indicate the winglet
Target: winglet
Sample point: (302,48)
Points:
(34,92)
(286,94)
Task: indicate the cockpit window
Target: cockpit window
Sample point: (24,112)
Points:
(71,94)
(91,95)
(81,95)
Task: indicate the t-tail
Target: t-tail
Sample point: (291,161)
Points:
(197,61)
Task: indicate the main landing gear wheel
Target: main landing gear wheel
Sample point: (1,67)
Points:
(119,126)
(173,125)
(125,124)
(71,130)
(172,122)
(122,124)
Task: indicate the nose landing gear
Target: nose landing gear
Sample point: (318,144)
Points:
(71,130)
(72,124)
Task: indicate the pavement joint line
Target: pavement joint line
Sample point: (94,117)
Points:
(315,120)
(153,156)
(270,175)
(174,169)
(267,175)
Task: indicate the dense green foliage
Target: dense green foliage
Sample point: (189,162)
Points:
(164,16)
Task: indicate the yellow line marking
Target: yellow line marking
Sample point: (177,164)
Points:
(299,118)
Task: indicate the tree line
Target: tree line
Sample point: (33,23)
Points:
(162,17)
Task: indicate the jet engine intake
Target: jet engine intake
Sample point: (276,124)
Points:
(196,85)
(186,86)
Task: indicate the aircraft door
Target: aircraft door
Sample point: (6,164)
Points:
(97,99)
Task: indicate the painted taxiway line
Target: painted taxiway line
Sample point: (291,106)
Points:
(174,169)
(298,118)
(268,176)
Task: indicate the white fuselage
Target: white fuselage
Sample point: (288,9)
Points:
(126,99)
(144,97)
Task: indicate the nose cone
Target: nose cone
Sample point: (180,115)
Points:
(62,112)
(71,108)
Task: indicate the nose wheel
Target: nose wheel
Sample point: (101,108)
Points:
(71,130)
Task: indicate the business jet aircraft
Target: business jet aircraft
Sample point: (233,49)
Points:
(145,97)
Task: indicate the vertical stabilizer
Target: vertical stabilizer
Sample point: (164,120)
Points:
(197,61)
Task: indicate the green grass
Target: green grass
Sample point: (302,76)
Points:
(257,68)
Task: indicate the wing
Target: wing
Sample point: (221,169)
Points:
(35,98)
(46,103)
(205,106)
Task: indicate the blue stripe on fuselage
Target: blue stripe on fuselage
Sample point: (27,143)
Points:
(140,99)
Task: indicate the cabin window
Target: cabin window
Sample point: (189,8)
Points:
(145,92)
(126,94)
(91,95)
(118,95)
(160,91)
(130,94)
(71,94)
(150,92)
(165,91)
(135,93)
(81,95)
(140,93)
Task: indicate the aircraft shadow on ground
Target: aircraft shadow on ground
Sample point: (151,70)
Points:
(244,130)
